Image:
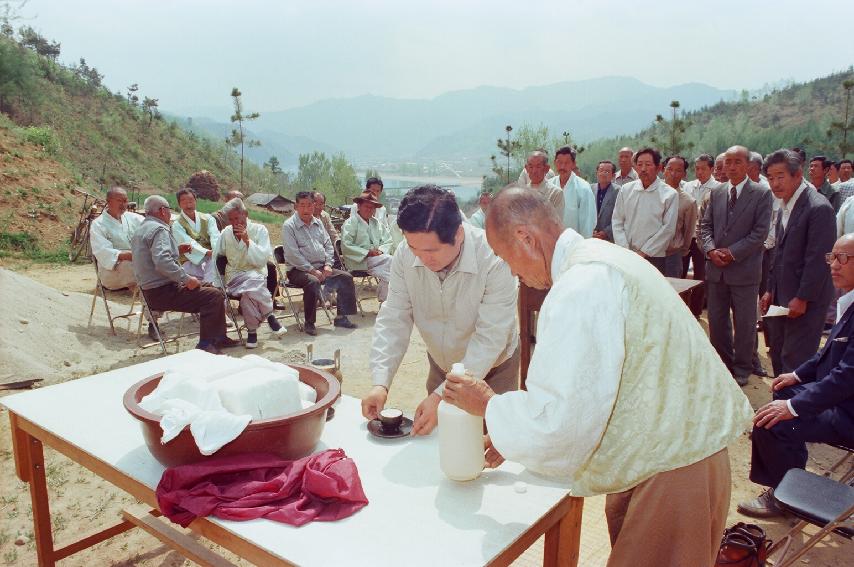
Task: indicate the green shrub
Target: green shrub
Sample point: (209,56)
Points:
(18,242)
(42,136)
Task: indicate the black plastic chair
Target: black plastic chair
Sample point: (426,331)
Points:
(817,500)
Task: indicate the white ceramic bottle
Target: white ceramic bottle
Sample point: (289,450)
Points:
(460,439)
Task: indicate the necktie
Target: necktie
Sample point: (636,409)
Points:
(733,197)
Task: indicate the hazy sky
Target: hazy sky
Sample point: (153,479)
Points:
(189,53)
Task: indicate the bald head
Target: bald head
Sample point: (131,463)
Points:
(537,166)
(117,202)
(522,228)
(233,195)
(516,206)
(736,160)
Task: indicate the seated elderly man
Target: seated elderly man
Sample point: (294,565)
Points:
(246,246)
(220,217)
(165,284)
(200,232)
(310,257)
(815,403)
(110,236)
(365,242)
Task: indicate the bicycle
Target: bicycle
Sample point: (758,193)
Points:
(91,209)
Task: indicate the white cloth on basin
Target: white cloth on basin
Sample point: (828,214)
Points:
(191,395)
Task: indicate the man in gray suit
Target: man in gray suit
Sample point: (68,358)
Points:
(732,232)
(605,193)
(799,278)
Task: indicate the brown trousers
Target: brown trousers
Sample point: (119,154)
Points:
(502,378)
(207,301)
(674,519)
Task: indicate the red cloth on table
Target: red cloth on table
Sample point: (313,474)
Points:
(323,487)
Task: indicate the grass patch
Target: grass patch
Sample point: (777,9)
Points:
(24,245)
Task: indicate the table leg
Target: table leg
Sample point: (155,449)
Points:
(564,538)
(31,463)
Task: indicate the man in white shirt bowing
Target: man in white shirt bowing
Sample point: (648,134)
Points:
(447,282)
(199,231)
(110,235)
(625,396)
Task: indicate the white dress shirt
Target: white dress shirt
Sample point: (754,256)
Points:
(199,252)
(645,219)
(558,422)
(786,209)
(469,316)
(699,190)
(845,217)
(109,237)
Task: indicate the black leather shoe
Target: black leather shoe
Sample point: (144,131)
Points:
(310,329)
(345,323)
(211,348)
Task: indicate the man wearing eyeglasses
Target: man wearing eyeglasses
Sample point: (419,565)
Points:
(815,403)
(799,278)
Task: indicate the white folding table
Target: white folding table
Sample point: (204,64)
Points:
(415,517)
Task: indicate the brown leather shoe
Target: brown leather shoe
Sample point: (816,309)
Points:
(226,342)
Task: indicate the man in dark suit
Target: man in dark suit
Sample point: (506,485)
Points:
(732,232)
(606,195)
(799,278)
(815,403)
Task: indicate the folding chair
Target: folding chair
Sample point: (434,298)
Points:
(288,287)
(221,263)
(102,291)
(361,278)
(847,460)
(162,339)
(816,500)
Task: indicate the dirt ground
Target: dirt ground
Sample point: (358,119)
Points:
(44,343)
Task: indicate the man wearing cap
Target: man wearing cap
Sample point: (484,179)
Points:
(365,242)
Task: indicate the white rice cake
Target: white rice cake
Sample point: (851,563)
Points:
(260,392)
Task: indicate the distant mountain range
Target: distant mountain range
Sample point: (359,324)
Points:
(466,123)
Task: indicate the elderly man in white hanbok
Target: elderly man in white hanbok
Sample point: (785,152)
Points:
(110,235)
(365,243)
(200,232)
(246,245)
(625,395)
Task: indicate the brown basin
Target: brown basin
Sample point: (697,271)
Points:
(291,437)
